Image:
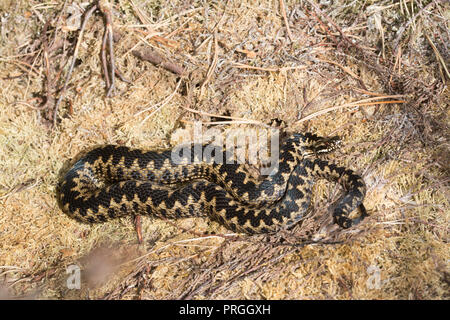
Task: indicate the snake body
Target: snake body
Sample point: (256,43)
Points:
(113,181)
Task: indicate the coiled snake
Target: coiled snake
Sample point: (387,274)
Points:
(113,181)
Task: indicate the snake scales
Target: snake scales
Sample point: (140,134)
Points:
(113,181)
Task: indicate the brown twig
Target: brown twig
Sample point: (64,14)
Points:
(22,65)
(107,51)
(121,77)
(278,69)
(106,8)
(213,65)
(312,3)
(156,59)
(344,68)
(49,85)
(74,58)
(104,59)
(440,60)
(286,22)
(236,119)
(364,102)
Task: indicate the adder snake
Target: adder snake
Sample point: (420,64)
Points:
(113,181)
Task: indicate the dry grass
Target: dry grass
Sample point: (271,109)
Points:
(240,60)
